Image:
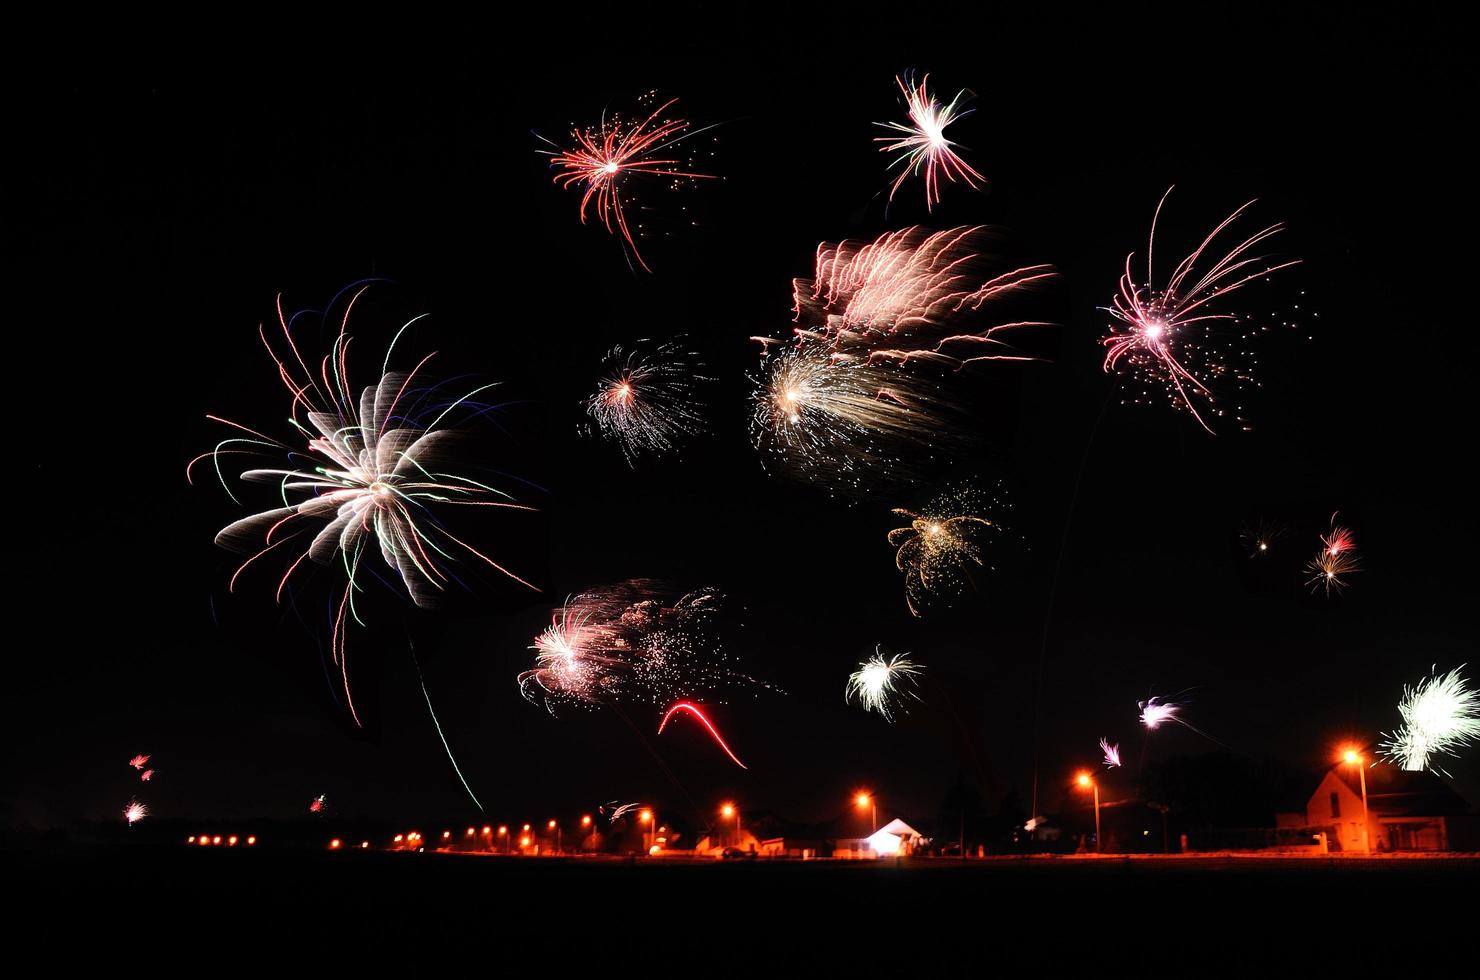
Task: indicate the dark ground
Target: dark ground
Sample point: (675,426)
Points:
(164,905)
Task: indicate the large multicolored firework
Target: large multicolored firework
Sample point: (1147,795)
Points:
(882,683)
(918,295)
(1336,559)
(941,543)
(843,422)
(1441,714)
(630,641)
(1170,337)
(608,158)
(646,400)
(921,143)
(372,468)
(694,710)
(134,812)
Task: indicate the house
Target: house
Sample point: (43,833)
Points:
(895,838)
(1406,811)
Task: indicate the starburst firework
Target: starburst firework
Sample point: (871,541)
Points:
(134,812)
(1336,559)
(1170,336)
(371,467)
(1112,754)
(646,400)
(921,143)
(139,761)
(882,682)
(941,543)
(1441,714)
(607,158)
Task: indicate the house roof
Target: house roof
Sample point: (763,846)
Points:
(1395,792)
(898,828)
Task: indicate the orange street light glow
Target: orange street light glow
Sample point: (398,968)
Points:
(862,799)
(1352,756)
(251,841)
(487,831)
(1084,780)
(727,811)
(552,825)
(502,830)
(524,842)
(586,821)
(646,816)
(335,844)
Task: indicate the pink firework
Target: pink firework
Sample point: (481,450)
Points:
(139,761)
(606,158)
(146,775)
(693,710)
(1336,559)
(1170,336)
(914,294)
(318,805)
(1112,753)
(922,145)
(134,812)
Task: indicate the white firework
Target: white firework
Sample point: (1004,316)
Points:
(1440,715)
(879,682)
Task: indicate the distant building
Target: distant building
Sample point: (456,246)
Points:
(1406,811)
(894,838)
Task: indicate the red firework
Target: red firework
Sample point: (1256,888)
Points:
(1165,335)
(714,732)
(605,157)
(922,144)
(139,761)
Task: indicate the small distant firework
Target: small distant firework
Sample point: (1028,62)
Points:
(318,805)
(922,145)
(1169,337)
(940,544)
(646,400)
(839,422)
(146,775)
(1441,714)
(1259,537)
(917,295)
(606,159)
(1112,753)
(693,709)
(139,761)
(880,683)
(134,812)
(371,471)
(629,642)
(1336,559)
(618,812)
(1155,712)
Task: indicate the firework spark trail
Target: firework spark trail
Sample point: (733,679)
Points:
(139,761)
(845,423)
(370,472)
(134,812)
(915,295)
(628,642)
(878,683)
(1441,714)
(941,542)
(1169,336)
(646,399)
(1336,559)
(438,725)
(1112,754)
(922,144)
(605,157)
(703,720)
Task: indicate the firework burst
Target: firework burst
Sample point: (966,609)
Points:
(146,776)
(319,804)
(1112,754)
(1441,714)
(1336,559)
(1170,337)
(134,812)
(645,401)
(882,682)
(921,143)
(1155,712)
(941,543)
(139,761)
(628,642)
(370,469)
(918,295)
(1259,537)
(606,160)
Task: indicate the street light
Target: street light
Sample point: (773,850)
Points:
(559,844)
(727,811)
(1354,758)
(503,832)
(867,800)
(1086,781)
(586,826)
(646,817)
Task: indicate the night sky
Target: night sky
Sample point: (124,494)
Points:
(166,198)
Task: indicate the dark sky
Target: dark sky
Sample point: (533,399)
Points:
(167,197)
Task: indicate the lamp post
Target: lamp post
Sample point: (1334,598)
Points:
(559,831)
(727,811)
(867,800)
(646,816)
(1353,757)
(1086,781)
(586,825)
(503,832)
